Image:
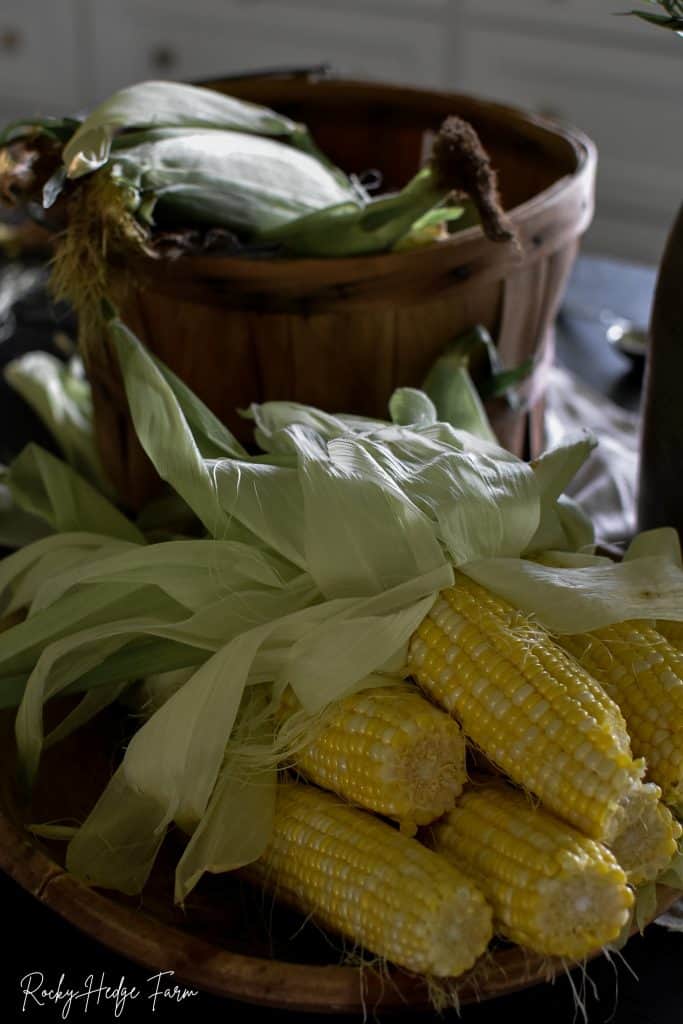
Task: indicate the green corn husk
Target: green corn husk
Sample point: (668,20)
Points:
(226,179)
(173,105)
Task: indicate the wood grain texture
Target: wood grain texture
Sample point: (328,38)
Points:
(229,940)
(341,334)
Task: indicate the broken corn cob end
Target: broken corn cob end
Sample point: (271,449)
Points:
(552,889)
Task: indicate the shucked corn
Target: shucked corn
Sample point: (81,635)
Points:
(534,712)
(643,673)
(552,889)
(366,881)
(388,750)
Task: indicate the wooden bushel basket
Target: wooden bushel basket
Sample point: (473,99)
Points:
(341,334)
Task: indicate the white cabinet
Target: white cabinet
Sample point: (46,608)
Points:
(136,40)
(40,63)
(615,77)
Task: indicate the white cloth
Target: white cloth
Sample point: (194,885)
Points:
(605,487)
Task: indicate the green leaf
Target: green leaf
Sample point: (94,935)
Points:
(362,533)
(663,542)
(588,594)
(234,831)
(662,20)
(562,525)
(46,487)
(163,430)
(21,646)
(450,387)
(212,437)
(18,527)
(28,562)
(408,406)
(499,384)
(61,397)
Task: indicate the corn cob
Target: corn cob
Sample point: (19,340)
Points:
(534,713)
(643,673)
(552,889)
(363,879)
(649,837)
(388,750)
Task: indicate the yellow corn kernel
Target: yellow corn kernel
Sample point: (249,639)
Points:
(527,705)
(360,877)
(552,889)
(643,673)
(388,750)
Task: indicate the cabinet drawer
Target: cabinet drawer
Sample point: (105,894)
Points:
(41,71)
(133,43)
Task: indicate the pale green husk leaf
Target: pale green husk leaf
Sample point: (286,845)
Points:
(580,593)
(48,489)
(61,397)
(17,527)
(170,104)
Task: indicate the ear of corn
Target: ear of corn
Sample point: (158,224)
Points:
(387,750)
(363,879)
(153,105)
(227,179)
(532,710)
(649,836)
(643,673)
(552,889)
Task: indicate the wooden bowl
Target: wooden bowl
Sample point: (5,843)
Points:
(342,334)
(230,941)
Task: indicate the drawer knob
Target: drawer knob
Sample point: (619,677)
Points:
(163,58)
(10,40)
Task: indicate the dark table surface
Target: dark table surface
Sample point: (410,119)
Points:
(641,985)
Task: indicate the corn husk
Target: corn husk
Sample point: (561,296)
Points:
(152,105)
(322,556)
